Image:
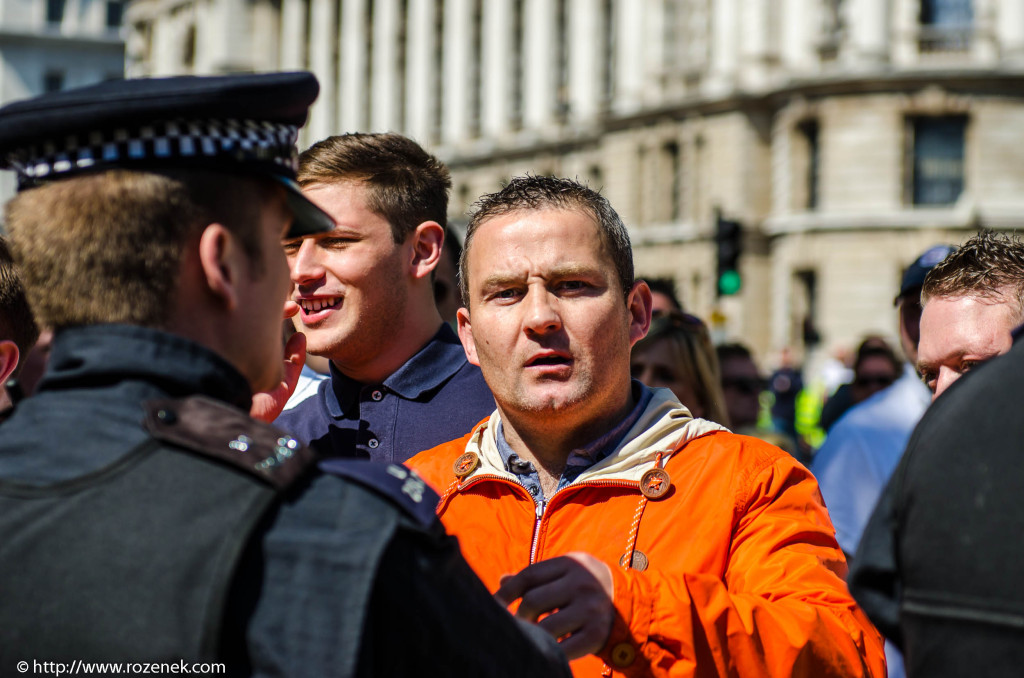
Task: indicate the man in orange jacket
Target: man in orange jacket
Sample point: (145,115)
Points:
(649,542)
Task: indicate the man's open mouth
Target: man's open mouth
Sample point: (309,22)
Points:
(548,360)
(318,304)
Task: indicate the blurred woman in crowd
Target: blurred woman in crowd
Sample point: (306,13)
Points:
(677,354)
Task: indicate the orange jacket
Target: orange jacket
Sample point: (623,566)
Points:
(743,575)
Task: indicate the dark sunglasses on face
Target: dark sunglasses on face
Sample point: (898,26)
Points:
(873,380)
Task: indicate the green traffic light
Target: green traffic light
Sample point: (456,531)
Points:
(729,282)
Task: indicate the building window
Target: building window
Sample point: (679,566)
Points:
(115,13)
(832,29)
(401,59)
(516,94)
(476,82)
(561,61)
(53,81)
(437,74)
(608,72)
(809,133)
(945,25)
(805,309)
(188,48)
(936,159)
(674,170)
(368,65)
(55,11)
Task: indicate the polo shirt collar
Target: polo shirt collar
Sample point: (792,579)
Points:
(433,365)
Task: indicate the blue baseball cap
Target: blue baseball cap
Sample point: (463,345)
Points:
(914,276)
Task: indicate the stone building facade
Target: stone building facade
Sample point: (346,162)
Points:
(846,136)
(50,45)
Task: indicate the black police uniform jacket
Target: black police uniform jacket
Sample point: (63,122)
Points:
(144,517)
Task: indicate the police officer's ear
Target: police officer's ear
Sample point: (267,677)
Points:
(426,243)
(8,359)
(224,264)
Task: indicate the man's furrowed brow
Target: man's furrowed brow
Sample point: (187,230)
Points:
(571,270)
(499,280)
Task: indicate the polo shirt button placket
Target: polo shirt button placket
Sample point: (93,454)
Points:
(373,443)
(377,395)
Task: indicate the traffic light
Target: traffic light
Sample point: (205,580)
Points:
(728,247)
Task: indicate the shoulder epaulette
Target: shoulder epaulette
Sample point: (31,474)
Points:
(393,481)
(215,429)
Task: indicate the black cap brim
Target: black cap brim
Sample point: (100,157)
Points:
(307,218)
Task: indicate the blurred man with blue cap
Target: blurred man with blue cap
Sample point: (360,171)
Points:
(144,516)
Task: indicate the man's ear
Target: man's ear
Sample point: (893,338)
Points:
(8,359)
(223,263)
(639,303)
(427,241)
(466,335)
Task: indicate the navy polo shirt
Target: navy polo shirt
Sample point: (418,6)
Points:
(436,396)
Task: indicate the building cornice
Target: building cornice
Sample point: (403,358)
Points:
(525,144)
(26,35)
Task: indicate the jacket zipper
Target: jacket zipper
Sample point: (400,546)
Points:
(541,506)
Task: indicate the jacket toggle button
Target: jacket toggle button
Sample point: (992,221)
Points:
(466,464)
(637,562)
(655,483)
(623,655)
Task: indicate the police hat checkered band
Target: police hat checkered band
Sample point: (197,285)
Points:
(241,141)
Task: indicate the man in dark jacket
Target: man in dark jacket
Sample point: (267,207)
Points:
(144,517)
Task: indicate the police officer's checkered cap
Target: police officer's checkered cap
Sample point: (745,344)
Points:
(242,124)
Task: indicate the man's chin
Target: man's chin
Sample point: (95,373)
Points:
(553,400)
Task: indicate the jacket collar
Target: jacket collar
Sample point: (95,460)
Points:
(92,354)
(429,368)
(664,425)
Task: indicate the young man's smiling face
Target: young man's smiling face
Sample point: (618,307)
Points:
(350,283)
(547,321)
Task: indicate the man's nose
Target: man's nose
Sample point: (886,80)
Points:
(945,379)
(542,313)
(304,264)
